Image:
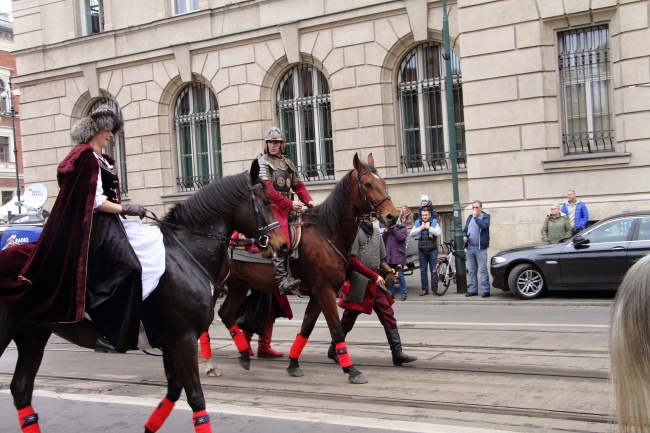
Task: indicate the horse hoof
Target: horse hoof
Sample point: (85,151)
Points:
(295,372)
(213,372)
(358,379)
(245,363)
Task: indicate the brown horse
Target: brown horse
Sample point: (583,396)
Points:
(328,231)
(196,233)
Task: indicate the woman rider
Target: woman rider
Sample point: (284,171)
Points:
(89,261)
(281,178)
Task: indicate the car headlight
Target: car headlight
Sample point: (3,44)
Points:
(498,259)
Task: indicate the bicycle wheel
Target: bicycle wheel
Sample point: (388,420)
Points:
(443,271)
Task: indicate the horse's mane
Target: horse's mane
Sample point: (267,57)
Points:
(329,213)
(220,198)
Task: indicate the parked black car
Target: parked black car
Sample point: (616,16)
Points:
(594,259)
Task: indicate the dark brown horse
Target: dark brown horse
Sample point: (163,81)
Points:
(196,234)
(328,231)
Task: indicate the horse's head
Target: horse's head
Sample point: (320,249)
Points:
(373,195)
(257,219)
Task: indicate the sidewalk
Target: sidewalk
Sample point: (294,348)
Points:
(497,296)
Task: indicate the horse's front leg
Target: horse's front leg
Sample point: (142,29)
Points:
(30,342)
(174,389)
(312,312)
(185,358)
(328,304)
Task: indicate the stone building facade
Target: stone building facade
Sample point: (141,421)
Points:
(545,92)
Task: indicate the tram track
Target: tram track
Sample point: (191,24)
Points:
(59,382)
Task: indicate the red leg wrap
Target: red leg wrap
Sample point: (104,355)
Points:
(342,353)
(238,338)
(201,421)
(206,350)
(28,420)
(158,417)
(297,346)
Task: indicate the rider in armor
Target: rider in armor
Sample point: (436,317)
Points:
(281,178)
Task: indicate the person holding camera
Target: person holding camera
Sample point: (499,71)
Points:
(426,231)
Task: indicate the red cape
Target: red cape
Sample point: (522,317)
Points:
(51,286)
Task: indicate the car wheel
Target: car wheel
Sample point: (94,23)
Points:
(526,281)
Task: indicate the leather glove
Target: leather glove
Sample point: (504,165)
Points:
(134,210)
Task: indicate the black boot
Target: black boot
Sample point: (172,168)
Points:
(102,345)
(331,353)
(285,282)
(395,343)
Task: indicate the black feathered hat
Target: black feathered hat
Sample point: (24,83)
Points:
(102,119)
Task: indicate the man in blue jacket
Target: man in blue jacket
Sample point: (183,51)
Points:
(477,238)
(576,211)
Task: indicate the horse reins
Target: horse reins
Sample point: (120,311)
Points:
(262,240)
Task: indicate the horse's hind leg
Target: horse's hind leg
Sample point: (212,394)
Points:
(211,368)
(30,342)
(228,313)
(174,389)
(308,322)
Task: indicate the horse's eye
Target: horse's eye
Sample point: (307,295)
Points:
(368,185)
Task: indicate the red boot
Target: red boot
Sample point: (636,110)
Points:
(248,336)
(264,349)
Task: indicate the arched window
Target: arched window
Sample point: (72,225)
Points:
(116,147)
(422,98)
(303,106)
(198,138)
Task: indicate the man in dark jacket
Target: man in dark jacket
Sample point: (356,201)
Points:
(477,238)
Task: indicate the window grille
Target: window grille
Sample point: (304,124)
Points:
(198,137)
(584,66)
(93,16)
(115,148)
(4,149)
(303,106)
(185,6)
(422,97)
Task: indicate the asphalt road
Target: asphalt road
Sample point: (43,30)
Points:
(485,365)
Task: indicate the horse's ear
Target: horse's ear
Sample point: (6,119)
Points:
(358,165)
(371,160)
(255,171)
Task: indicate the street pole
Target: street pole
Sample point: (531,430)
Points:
(10,96)
(461,274)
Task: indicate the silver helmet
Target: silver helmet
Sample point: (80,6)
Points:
(275,134)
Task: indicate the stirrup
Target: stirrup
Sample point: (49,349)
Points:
(287,286)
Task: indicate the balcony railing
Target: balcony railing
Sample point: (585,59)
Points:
(432,162)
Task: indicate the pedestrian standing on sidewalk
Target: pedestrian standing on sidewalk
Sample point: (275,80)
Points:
(477,238)
(577,212)
(426,231)
(367,293)
(395,241)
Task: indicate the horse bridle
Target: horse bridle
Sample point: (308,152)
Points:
(374,211)
(262,239)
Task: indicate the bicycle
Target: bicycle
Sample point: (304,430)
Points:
(446,269)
